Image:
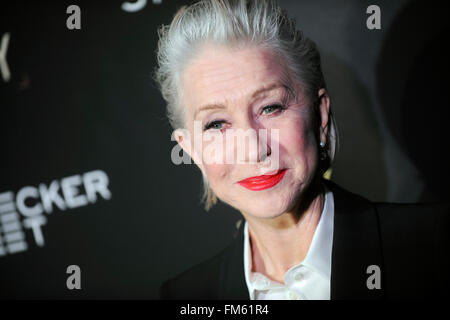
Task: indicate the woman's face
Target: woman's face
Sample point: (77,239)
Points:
(247,88)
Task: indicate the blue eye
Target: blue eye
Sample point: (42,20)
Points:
(272,108)
(216,124)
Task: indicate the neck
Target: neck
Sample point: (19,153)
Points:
(279,243)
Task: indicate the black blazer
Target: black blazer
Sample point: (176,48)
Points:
(410,244)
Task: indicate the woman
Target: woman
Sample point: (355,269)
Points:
(235,69)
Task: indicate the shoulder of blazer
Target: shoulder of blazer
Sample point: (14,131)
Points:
(220,277)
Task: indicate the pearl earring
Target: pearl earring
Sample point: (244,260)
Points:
(323,152)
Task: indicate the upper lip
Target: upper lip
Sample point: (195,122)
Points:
(262,177)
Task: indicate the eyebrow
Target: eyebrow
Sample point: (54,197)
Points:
(254,95)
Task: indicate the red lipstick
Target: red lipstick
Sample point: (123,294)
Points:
(263,182)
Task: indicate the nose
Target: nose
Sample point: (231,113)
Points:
(252,143)
(262,149)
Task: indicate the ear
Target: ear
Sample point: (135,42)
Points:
(183,138)
(324,109)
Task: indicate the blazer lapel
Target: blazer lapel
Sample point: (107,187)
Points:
(232,276)
(356,246)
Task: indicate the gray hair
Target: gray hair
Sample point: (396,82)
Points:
(233,22)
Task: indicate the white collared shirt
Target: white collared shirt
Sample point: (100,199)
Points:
(308,280)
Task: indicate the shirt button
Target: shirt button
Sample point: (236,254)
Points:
(292,296)
(298,277)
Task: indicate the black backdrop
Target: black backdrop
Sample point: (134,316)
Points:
(86,176)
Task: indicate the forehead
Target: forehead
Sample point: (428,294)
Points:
(222,75)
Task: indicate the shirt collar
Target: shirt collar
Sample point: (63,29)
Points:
(318,257)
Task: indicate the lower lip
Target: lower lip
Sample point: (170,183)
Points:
(263,182)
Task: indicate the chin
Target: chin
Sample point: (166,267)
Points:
(266,208)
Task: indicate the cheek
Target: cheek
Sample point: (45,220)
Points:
(217,174)
(297,137)
(298,148)
(213,148)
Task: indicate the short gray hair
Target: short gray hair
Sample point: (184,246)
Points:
(232,22)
